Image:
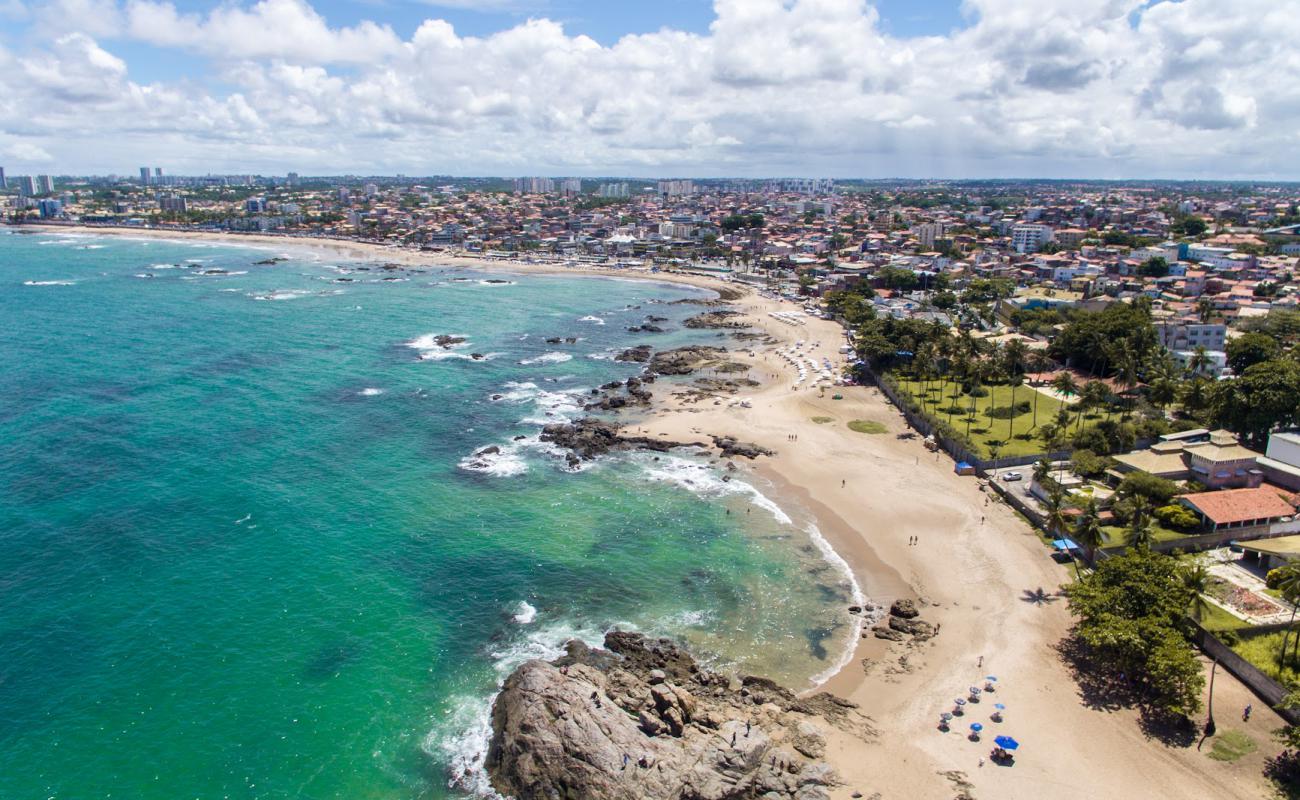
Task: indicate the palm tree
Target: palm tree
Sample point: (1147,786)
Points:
(1038,363)
(1205,309)
(1289,585)
(1042,471)
(1127,364)
(1055,518)
(1197,579)
(1065,385)
(1165,373)
(1087,530)
(1139,526)
(1200,361)
(1094,394)
(1015,355)
(1139,533)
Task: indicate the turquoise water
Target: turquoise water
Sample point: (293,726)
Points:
(244,551)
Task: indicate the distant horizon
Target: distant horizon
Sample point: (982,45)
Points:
(307,176)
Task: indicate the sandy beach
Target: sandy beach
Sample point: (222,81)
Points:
(982,574)
(977,570)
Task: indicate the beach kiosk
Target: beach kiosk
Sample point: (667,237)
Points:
(964,468)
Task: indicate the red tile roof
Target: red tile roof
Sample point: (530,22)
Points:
(1239,505)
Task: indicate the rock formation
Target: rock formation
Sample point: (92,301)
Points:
(588,438)
(732,447)
(640,719)
(717,319)
(685,360)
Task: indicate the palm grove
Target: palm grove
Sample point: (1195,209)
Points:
(1133,611)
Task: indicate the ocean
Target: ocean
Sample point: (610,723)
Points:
(247,551)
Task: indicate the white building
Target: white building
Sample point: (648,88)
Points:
(1027,238)
(1191,334)
(928,232)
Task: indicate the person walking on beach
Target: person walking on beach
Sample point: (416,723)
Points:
(1245,714)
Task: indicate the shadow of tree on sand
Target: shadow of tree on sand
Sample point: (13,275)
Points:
(1103,689)
(1039,596)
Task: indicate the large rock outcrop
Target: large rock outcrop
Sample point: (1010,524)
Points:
(589,437)
(685,360)
(641,719)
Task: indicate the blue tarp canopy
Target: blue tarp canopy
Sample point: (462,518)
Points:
(963,465)
(1065,544)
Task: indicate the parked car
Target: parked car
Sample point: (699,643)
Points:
(1012,476)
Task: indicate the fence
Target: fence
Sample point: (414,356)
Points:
(1268,690)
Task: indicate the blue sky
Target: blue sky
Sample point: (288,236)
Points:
(606,21)
(838,88)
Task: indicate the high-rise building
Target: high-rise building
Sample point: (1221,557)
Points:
(174,205)
(612,190)
(144,176)
(157,172)
(50,208)
(534,186)
(45,184)
(27,186)
(676,188)
(293,179)
(4,182)
(255,205)
(1030,238)
(343,195)
(571,186)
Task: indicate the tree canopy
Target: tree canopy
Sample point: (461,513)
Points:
(1250,349)
(1130,614)
(1266,396)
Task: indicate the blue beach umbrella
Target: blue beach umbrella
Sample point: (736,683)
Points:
(1006,743)
(999,707)
(991,678)
(977,727)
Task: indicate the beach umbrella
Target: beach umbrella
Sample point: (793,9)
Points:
(946,716)
(976,727)
(1006,743)
(999,707)
(991,678)
(961,701)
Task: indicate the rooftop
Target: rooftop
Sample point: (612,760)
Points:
(1239,505)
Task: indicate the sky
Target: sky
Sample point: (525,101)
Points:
(1113,89)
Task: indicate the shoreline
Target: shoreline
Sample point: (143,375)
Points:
(368,251)
(971,571)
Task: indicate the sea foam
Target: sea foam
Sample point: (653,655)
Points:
(547,358)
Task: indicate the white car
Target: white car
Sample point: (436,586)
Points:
(1012,476)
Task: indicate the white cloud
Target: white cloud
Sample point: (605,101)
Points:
(1053,87)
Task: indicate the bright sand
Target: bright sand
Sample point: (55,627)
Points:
(975,569)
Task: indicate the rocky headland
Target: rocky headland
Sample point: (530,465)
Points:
(641,719)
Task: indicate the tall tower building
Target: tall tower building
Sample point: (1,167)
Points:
(144,176)
(4,182)
(157,172)
(45,184)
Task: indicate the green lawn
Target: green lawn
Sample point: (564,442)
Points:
(1017,436)
(1214,618)
(1231,745)
(1117,535)
(1262,651)
(866,426)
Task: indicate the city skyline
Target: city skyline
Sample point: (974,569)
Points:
(1122,89)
